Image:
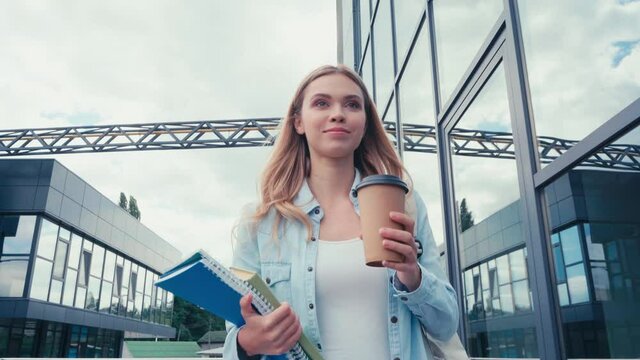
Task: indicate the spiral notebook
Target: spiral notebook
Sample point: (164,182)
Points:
(205,282)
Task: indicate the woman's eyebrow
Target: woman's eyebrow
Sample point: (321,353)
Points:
(348,97)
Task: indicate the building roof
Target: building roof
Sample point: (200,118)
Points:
(162,349)
(213,336)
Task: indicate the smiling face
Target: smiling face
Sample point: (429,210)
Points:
(332,117)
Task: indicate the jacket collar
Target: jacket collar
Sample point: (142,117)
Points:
(305,200)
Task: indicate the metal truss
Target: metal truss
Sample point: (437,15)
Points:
(262,132)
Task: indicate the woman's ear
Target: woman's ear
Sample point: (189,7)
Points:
(297,124)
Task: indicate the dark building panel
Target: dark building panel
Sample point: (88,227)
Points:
(58,177)
(54,202)
(17,198)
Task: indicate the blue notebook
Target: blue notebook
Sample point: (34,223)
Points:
(205,282)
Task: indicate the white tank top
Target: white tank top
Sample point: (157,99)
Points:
(352,303)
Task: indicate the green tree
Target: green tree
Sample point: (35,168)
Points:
(466,216)
(133,208)
(192,322)
(123,201)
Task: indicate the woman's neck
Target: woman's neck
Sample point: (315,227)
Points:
(331,179)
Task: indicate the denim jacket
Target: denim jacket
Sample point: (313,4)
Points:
(289,265)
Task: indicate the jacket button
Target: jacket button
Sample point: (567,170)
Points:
(316,211)
(267,280)
(310,269)
(354,193)
(310,306)
(319,347)
(394,319)
(313,238)
(396,358)
(403,298)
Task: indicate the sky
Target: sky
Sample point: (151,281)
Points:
(68,63)
(87,63)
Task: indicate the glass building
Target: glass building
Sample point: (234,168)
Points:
(518,121)
(76,270)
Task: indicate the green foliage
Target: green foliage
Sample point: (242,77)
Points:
(123,201)
(133,208)
(466,216)
(192,322)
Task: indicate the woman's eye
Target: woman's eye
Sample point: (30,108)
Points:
(321,103)
(353,105)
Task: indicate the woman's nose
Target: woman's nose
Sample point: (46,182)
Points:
(337,115)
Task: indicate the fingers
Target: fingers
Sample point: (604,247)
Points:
(402,236)
(246,310)
(289,336)
(403,219)
(409,251)
(283,315)
(400,267)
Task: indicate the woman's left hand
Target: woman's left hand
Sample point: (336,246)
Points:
(402,242)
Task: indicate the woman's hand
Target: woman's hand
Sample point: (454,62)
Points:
(271,334)
(402,242)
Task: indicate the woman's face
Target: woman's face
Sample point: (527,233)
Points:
(332,116)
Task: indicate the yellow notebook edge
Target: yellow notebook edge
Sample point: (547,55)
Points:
(259,285)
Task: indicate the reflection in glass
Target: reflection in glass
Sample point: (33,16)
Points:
(347,28)
(424,173)
(407,14)
(596,208)
(41,279)
(367,75)
(47,240)
(365,23)
(69,287)
(487,196)
(383,51)
(457,45)
(74,252)
(109,266)
(60,261)
(97,260)
(13,270)
(55,294)
(93,294)
(81,294)
(105,300)
(16,234)
(576,85)
(416,87)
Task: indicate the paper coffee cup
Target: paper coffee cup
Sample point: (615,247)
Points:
(378,195)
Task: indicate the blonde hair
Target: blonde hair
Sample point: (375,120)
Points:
(289,163)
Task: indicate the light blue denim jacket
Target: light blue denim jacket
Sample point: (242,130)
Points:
(289,264)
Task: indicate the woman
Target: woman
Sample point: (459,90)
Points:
(304,239)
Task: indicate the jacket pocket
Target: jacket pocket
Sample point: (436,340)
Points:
(278,277)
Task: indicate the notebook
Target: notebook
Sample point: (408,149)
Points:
(203,281)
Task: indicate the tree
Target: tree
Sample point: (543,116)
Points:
(123,201)
(466,216)
(193,322)
(133,208)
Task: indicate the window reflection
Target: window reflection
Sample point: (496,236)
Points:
(597,48)
(41,279)
(489,226)
(16,234)
(383,51)
(457,45)
(13,270)
(416,87)
(47,239)
(407,14)
(593,222)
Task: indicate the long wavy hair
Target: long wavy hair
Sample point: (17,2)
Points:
(289,163)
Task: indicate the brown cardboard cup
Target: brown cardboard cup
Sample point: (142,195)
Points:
(378,195)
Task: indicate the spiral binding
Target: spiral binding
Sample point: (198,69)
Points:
(259,301)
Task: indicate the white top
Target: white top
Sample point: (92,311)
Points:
(352,302)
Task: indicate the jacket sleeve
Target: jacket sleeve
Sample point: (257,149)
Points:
(434,302)
(245,256)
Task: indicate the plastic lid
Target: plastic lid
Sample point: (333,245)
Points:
(383,180)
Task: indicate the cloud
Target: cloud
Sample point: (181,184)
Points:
(88,63)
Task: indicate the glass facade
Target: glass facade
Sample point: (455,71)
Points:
(16,238)
(36,338)
(488,94)
(76,271)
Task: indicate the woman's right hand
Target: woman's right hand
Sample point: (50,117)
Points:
(271,334)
